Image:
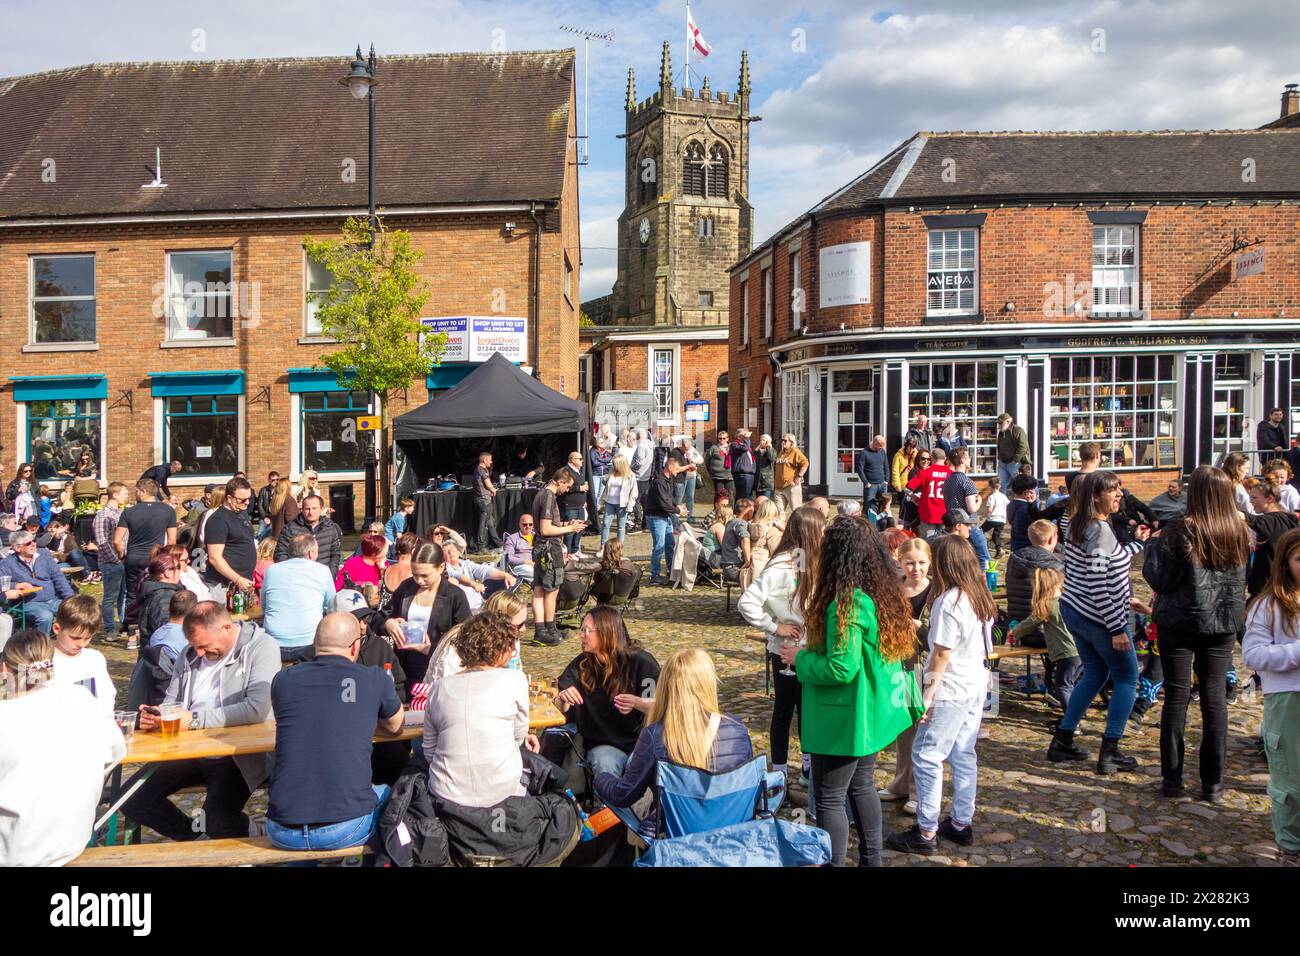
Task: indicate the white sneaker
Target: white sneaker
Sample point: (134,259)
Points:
(884,793)
(910,807)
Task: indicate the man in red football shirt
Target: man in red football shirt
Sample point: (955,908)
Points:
(929,481)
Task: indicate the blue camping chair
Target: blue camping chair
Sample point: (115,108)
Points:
(725,819)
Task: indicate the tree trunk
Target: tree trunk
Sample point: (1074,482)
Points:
(381,447)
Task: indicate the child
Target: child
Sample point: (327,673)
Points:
(1022,509)
(399,521)
(265,558)
(961,625)
(45,505)
(1045,619)
(880,508)
(153,671)
(1060,494)
(24,503)
(76,623)
(1151,677)
(1038,552)
(1272,647)
(994,513)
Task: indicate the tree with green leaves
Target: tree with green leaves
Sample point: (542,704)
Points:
(372,308)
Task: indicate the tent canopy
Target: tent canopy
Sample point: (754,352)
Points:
(495,400)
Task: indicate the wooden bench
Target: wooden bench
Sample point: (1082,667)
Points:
(238,851)
(1007,651)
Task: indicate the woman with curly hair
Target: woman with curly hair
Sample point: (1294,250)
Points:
(857,698)
(961,626)
(609,688)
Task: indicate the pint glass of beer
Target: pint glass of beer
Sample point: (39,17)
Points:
(171,719)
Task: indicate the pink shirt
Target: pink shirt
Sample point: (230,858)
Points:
(359,570)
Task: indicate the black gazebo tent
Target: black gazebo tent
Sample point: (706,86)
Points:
(493,408)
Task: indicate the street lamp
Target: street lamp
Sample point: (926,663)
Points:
(361,82)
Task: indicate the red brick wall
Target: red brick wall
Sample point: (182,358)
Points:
(467,260)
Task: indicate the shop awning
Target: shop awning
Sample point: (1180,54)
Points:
(48,388)
(314,380)
(223,382)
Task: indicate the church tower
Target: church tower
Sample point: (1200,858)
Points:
(686,216)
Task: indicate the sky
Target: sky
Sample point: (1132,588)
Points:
(837,82)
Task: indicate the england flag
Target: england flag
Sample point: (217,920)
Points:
(696,39)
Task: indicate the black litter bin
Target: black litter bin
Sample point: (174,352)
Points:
(341,500)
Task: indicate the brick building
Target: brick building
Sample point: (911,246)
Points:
(1139,290)
(686,219)
(151,323)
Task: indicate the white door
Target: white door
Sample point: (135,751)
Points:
(852,429)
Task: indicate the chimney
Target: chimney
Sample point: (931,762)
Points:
(1291,100)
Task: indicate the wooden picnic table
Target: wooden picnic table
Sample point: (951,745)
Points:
(253,614)
(153,747)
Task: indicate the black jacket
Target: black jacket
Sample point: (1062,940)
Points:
(1020,578)
(262,506)
(659,500)
(742,457)
(328,537)
(1188,597)
(450,607)
(160,474)
(1270,436)
(153,602)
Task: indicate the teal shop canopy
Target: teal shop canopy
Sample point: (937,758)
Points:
(314,380)
(53,388)
(172,384)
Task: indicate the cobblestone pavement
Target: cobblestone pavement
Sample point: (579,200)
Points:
(1029,812)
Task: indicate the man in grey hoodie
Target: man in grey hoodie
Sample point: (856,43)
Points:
(223,679)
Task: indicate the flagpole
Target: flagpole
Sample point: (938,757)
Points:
(688,46)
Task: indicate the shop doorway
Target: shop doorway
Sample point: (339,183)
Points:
(854,427)
(1231,396)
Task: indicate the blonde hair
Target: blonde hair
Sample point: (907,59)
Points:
(505,603)
(1040,532)
(1048,583)
(29,657)
(266,548)
(686,698)
(913,544)
(767,512)
(620,468)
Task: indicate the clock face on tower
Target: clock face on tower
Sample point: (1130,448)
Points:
(644,230)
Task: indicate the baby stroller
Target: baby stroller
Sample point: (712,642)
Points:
(575,590)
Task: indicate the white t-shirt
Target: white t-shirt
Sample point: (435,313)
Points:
(1288,498)
(474,725)
(55,745)
(953,625)
(205,686)
(87,669)
(417,616)
(997,507)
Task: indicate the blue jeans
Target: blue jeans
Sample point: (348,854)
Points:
(1006,473)
(685,494)
(263,531)
(114,603)
(870,493)
(612,513)
(980,544)
(1100,660)
(606,759)
(40,614)
(661,536)
(950,735)
(596,493)
(335,836)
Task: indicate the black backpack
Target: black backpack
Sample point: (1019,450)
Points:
(409,832)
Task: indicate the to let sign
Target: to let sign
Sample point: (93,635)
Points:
(1248,264)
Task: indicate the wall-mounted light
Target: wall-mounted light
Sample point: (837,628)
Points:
(510,229)
(1009,307)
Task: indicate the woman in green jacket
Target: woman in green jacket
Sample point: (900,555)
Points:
(857,698)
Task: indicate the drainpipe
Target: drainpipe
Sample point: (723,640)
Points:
(537,289)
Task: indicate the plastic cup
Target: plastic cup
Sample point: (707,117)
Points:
(171,720)
(6,582)
(126,723)
(414,633)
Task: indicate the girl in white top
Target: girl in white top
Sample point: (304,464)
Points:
(76,662)
(1237,466)
(956,680)
(993,513)
(620,496)
(56,743)
(773,604)
(1272,647)
(477,720)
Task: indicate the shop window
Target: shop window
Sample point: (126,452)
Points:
(952,272)
(58,432)
(965,393)
(794,389)
(63,299)
(1127,404)
(202,433)
(328,426)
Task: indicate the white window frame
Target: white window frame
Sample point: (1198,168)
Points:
(744,312)
(1104,271)
(241,430)
(23,448)
(981,451)
(32,298)
(173,297)
(706,227)
(702,294)
(769,287)
(794,394)
(675,386)
(795,288)
(944,269)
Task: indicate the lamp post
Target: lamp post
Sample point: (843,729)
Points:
(361,82)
